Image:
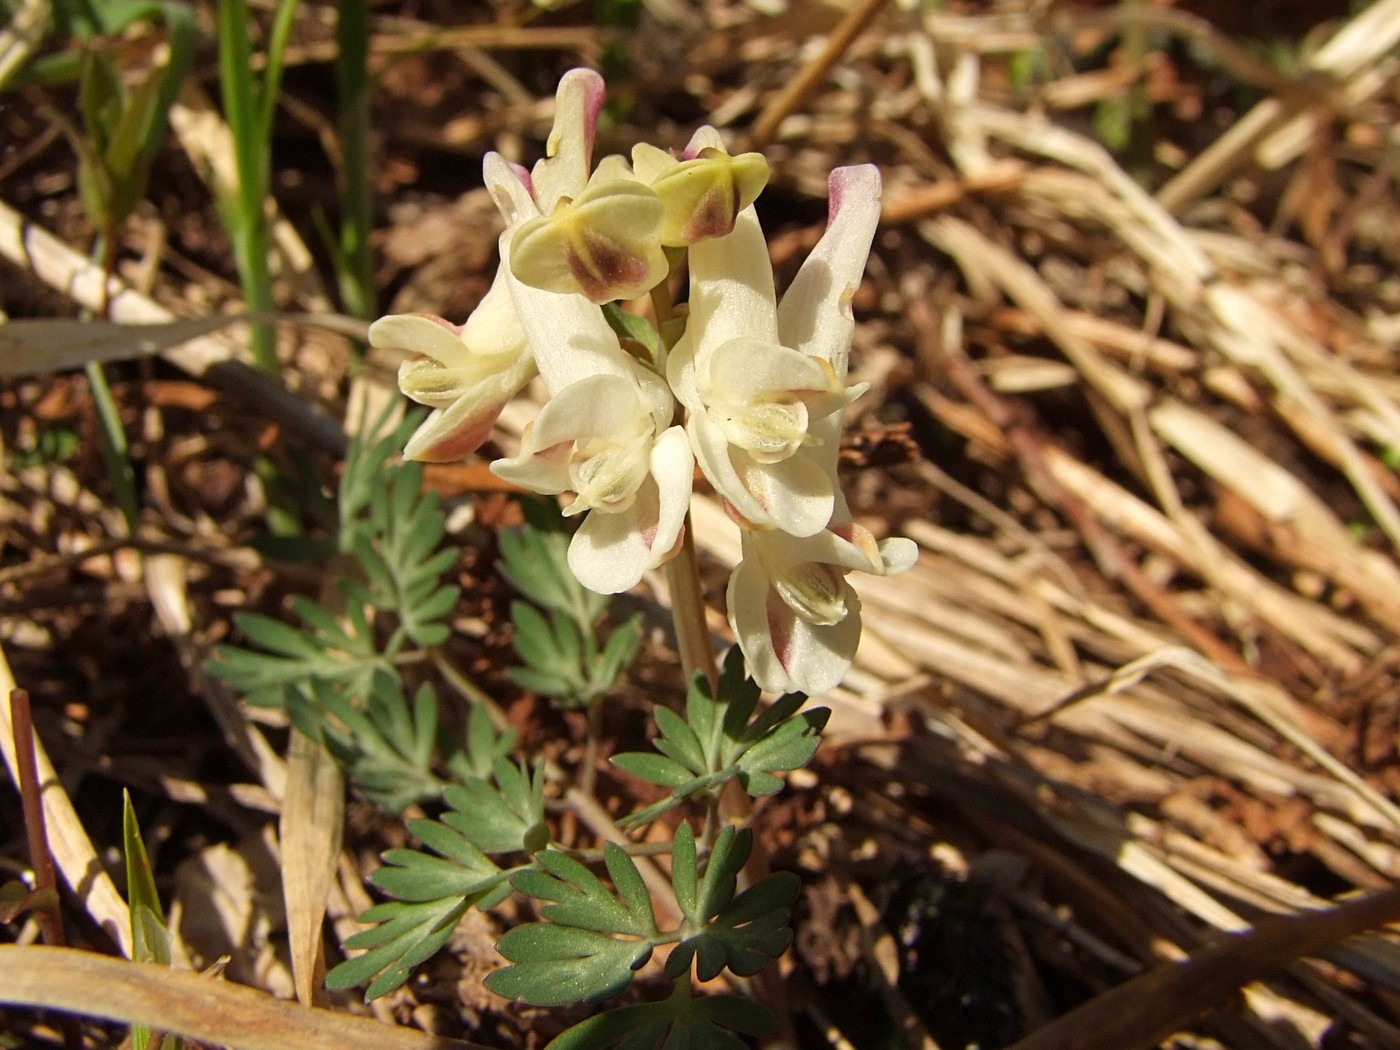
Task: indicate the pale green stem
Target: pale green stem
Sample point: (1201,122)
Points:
(688,612)
(356,272)
(589,774)
(683,571)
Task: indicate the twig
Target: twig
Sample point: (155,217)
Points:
(45,882)
(928,200)
(1113,560)
(73,852)
(801,87)
(1348,56)
(1145,1010)
(48,912)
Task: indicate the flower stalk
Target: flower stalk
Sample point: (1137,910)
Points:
(693,640)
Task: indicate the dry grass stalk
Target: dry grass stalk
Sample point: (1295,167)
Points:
(69,844)
(1348,63)
(204,1008)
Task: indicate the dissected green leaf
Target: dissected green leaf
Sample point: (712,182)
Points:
(535,561)
(556,628)
(550,647)
(741,933)
(721,739)
(327,649)
(503,817)
(462,870)
(680,1022)
(433,893)
(416,877)
(593,939)
(554,964)
(685,871)
(384,743)
(483,746)
(619,651)
(656,768)
(403,936)
(334,672)
(579,898)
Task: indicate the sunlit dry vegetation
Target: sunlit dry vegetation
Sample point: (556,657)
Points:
(1116,762)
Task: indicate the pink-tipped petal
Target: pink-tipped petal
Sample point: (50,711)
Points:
(453,433)
(815,314)
(569,151)
(510,188)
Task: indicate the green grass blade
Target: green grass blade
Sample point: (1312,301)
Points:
(356,271)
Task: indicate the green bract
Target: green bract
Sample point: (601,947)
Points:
(724,737)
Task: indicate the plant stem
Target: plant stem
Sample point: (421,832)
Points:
(589,773)
(688,612)
(45,882)
(683,571)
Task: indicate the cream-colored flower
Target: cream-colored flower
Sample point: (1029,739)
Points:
(758,377)
(467,373)
(597,440)
(605,435)
(704,190)
(794,614)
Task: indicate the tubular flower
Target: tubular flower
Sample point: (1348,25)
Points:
(467,373)
(464,374)
(596,439)
(702,192)
(796,617)
(794,614)
(605,434)
(757,377)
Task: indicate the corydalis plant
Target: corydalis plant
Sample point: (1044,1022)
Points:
(752,388)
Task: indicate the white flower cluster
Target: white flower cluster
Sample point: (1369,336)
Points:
(761,382)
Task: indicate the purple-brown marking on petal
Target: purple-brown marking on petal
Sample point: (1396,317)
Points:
(781,620)
(714,216)
(463,441)
(560,450)
(604,266)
